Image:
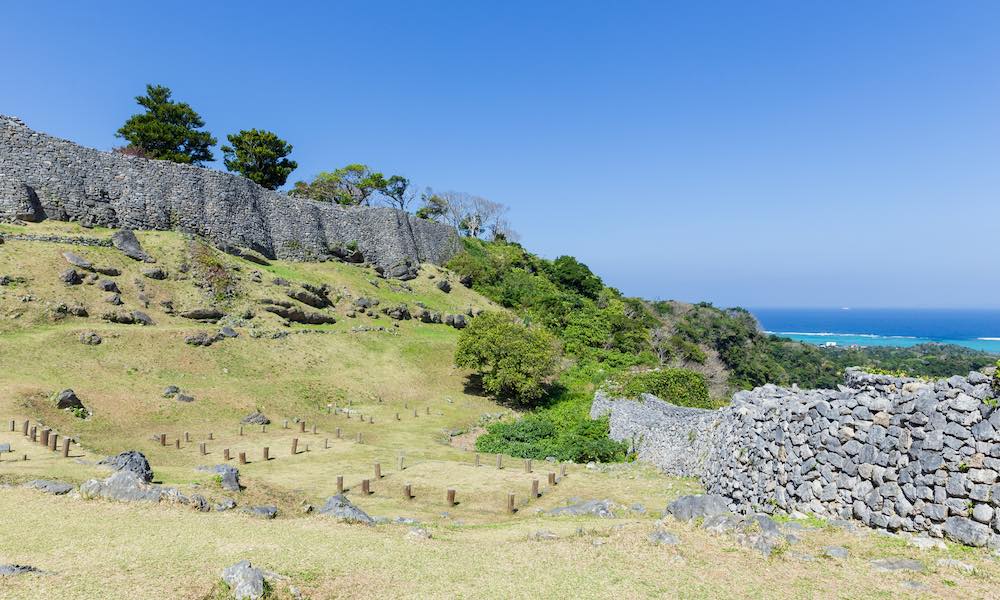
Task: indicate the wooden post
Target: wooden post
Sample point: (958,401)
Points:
(371,420)
(562,471)
(401,460)
(163,439)
(359,437)
(210,436)
(326,443)
(397,418)
(365,487)
(34,434)
(477,459)
(26,423)
(225,454)
(510,502)
(534,488)
(414,412)
(314,430)
(267,454)
(243,458)
(499,461)
(340,484)
(202,448)
(527,465)
(66,447)
(337,433)
(302,426)
(13,425)
(44,438)
(428,410)
(285,425)
(177,444)
(187,436)
(378,471)
(552,478)
(408,491)
(450,499)
(263,428)
(241,430)
(53,441)
(295,446)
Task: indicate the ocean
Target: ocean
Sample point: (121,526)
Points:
(973,328)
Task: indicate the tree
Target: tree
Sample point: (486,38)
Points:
(434,208)
(168,130)
(573,275)
(259,156)
(397,190)
(353,185)
(474,216)
(514,360)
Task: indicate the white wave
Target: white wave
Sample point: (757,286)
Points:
(862,335)
(989,339)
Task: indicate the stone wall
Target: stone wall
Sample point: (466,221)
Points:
(894,453)
(42,177)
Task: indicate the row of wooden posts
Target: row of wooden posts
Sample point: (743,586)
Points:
(43,436)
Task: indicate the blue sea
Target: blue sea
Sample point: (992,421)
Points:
(973,328)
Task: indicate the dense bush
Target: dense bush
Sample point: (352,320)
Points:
(514,360)
(682,387)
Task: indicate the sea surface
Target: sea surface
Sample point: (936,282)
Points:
(973,328)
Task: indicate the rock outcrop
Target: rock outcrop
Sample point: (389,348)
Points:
(43,177)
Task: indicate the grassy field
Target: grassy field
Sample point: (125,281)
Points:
(97,549)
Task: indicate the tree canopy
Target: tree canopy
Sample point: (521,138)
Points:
(353,185)
(168,130)
(514,360)
(259,156)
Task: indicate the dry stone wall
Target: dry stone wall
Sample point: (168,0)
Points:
(43,177)
(894,453)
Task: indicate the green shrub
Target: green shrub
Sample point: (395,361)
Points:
(677,386)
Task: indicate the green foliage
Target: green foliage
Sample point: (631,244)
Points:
(574,276)
(682,387)
(434,207)
(514,360)
(168,130)
(353,185)
(259,156)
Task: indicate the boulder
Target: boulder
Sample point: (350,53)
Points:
(141,318)
(70,277)
(170,391)
(399,312)
(466,281)
(119,317)
(184,398)
(90,338)
(157,274)
(456,321)
(230,476)
(661,537)
(225,504)
(262,512)
(108,286)
(10,570)
(67,399)
(107,271)
(123,486)
(403,271)
(228,332)
(78,261)
(444,285)
(300,316)
(4,448)
(129,245)
(342,509)
(244,581)
(838,552)
(691,507)
(255,418)
(132,461)
(201,338)
(208,315)
(598,508)
(27,207)
(308,297)
(56,488)
(114,299)
(78,310)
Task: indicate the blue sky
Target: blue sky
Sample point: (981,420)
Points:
(746,153)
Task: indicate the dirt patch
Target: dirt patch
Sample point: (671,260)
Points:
(467,441)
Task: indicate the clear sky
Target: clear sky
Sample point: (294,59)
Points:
(759,153)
